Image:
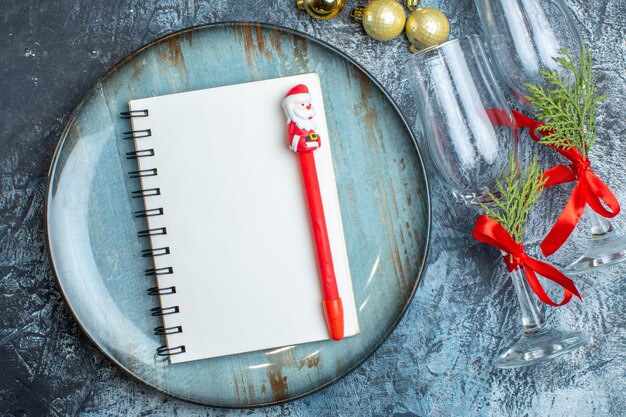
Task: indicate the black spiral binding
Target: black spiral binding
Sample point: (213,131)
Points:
(137,134)
(143,173)
(168,270)
(134,113)
(143,153)
(165,351)
(164,311)
(152,252)
(146,192)
(152,232)
(162,330)
(161,291)
(149,212)
(155,252)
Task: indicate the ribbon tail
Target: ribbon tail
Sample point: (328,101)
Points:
(549,272)
(567,221)
(600,191)
(536,286)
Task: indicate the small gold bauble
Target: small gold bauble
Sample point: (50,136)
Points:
(427,27)
(411,4)
(321,9)
(383,20)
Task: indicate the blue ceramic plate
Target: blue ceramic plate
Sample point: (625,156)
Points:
(92,234)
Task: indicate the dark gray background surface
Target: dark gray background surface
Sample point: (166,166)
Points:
(436,363)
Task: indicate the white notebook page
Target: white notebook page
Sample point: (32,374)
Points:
(237,224)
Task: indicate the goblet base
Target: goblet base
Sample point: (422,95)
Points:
(540,345)
(604,250)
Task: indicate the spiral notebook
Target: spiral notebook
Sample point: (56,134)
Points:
(228,228)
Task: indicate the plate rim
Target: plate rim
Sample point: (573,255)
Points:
(233,24)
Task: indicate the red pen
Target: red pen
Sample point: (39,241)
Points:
(303,140)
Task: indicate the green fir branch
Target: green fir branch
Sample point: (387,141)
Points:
(568,106)
(519,193)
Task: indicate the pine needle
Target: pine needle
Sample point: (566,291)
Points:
(519,193)
(568,107)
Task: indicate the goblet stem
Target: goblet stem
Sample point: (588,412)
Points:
(532,317)
(607,246)
(538,341)
(599,225)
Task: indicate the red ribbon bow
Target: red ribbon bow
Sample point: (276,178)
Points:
(589,190)
(493,233)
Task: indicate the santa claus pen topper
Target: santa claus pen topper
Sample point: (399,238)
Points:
(303,140)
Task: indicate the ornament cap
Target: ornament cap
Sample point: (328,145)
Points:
(357,13)
(300,4)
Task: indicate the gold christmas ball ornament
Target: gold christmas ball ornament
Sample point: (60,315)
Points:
(383,20)
(321,9)
(411,4)
(427,27)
